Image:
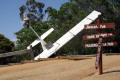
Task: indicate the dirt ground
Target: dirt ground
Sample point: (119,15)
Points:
(64,69)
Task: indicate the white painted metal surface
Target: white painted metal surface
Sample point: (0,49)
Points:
(69,35)
(42,37)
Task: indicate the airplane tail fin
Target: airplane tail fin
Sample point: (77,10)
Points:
(43,43)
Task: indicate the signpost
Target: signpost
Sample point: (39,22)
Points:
(98,62)
(99,36)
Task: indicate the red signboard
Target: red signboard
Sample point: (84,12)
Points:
(101,26)
(103,44)
(96,36)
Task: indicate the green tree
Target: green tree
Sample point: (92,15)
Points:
(5,44)
(69,14)
(72,12)
(27,36)
(34,9)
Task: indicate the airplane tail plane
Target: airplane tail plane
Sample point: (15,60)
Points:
(41,40)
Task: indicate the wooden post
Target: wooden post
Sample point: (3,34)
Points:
(32,54)
(99,51)
(1,61)
(100,65)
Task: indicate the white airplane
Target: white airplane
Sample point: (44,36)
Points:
(47,52)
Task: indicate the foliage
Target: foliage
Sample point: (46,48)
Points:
(34,9)
(72,12)
(5,44)
(69,14)
(27,36)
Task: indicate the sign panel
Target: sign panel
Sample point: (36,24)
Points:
(101,26)
(103,44)
(96,36)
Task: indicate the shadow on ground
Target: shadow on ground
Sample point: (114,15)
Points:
(114,71)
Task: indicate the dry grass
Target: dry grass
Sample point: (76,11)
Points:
(63,69)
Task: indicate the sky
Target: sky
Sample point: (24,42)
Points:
(10,21)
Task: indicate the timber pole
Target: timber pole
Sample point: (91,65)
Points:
(100,52)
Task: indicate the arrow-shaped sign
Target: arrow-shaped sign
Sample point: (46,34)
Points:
(101,26)
(103,44)
(96,36)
